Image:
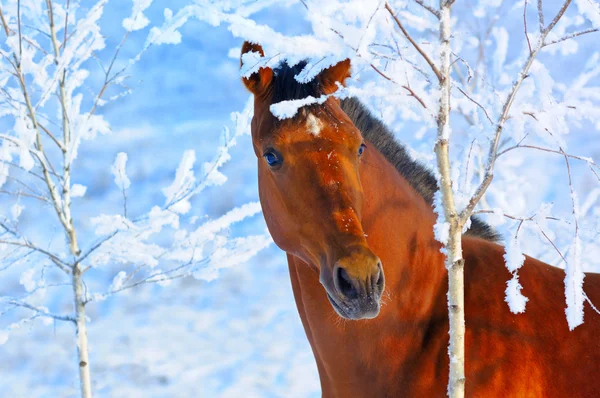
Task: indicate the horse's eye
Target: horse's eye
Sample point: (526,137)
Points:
(272,158)
(361,149)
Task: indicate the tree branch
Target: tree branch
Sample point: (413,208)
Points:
(43,312)
(432,10)
(414,43)
(504,117)
(540,16)
(66,193)
(556,18)
(407,88)
(572,35)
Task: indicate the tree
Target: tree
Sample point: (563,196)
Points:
(513,105)
(44,63)
(489,127)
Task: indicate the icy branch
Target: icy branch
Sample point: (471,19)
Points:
(40,311)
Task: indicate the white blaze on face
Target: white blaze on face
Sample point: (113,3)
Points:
(313,125)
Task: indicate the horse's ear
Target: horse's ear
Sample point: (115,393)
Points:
(334,74)
(257,83)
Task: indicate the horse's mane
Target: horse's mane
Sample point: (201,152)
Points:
(285,87)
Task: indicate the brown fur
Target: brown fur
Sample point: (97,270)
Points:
(403,351)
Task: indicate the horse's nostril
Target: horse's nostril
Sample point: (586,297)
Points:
(379,279)
(344,284)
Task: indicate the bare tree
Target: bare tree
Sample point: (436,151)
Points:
(41,69)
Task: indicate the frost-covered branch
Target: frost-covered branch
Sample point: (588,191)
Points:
(571,36)
(39,311)
(493,149)
(426,57)
(432,10)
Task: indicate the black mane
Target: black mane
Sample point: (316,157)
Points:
(285,87)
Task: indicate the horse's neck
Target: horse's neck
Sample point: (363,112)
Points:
(398,224)
(399,227)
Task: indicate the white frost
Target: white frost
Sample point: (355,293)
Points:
(16,210)
(118,171)
(27,279)
(117,282)
(288,109)
(513,256)
(137,20)
(515,299)
(184,177)
(78,190)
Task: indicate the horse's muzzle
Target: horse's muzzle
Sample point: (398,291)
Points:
(358,284)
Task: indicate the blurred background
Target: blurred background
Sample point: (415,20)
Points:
(240,335)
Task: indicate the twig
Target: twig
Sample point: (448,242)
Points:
(489,172)
(57,142)
(27,195)
(62,265)
(432,10)
(590,302)
(407,88)
(552,243)
(540,16)
(43,312)
(556,18)
(414,43)
(476,103)
(572,35)
(525,25)
(549,150)
(4,24)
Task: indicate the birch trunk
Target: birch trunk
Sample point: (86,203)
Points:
(81,331)
(454,260)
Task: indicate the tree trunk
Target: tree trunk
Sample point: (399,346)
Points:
(454,260)
(81,331)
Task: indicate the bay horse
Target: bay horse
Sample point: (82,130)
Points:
(354,214)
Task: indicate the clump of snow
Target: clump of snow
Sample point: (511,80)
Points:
(441,229)
(78,190)
(574,273)
(513,256)
(108,224)
(16,210)
(27,279)
(515,299)
(117,282)
(184,177)
(137,20)
(118,171)
(288,109)
(574,286)
(514,259)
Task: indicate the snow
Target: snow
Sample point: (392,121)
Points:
(515,299)
(184,177)
(78,190)
(288,109)
(16,210)
(513,256)
(119,172)
(137,20)
(240,335)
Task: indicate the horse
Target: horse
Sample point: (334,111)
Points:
(353,213)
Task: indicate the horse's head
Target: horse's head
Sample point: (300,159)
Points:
(309,184)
